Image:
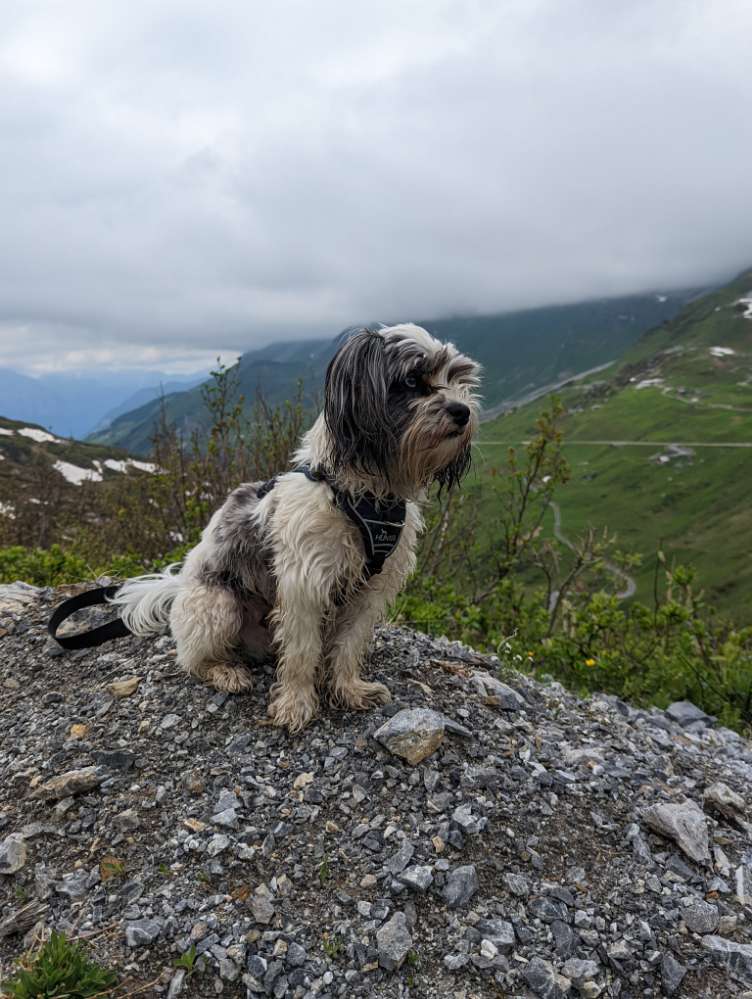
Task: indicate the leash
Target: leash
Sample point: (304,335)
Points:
(379,522)
(87,639)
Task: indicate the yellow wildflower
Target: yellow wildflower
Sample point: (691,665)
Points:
(590,662)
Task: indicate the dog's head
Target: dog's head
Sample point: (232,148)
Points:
(401,407)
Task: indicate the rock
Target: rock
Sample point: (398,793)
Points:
(743,880)
(724,800)
(70,783)
(176,984)
(393,941)
(517,884)
(454,962)
(399,861)
(672,973)
(124,687)
(686,713)
(262,908)
(73,885)
(16,598)
(413,733)
(578,970)
(544,981)
(488,949)
(684,823)
(468,823)
(142,932)
(217,844)
(461,884)
(489,686)
(737,957)
(115,759)
(12,854)
(296,955)
(499,932)
(701,917)
(127,821)
(418,878)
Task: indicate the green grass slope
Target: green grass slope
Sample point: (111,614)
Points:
(674,386)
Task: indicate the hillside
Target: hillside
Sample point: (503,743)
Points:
(521,352)
(39,468)
(661,446)
(537,845)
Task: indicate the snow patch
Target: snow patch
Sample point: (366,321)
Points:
(5,433)
(40,436)
(649,383)
(76,475)
(747,302)
(662,298)
(118,465)
(7,510)
(722,351)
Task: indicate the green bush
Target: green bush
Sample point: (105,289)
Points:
(61,969)
(42,567)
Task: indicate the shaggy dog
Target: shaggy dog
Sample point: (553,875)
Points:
(307,568)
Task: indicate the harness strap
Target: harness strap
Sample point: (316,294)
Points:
(87,639)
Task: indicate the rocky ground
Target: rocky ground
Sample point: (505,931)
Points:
(484,835)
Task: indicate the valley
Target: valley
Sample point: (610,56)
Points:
(659,448)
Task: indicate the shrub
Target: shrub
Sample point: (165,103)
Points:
(61,969)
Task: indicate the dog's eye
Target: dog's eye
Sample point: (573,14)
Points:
(411,382)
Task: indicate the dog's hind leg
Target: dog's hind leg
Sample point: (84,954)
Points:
(206,622)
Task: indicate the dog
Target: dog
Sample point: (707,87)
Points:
(304,567)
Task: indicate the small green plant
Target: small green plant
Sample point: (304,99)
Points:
(332,944)
(164,870)
(413,963)
(61,970)
(187,960)
(325,872)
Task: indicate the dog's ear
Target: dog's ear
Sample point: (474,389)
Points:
(453,473)
(356,412)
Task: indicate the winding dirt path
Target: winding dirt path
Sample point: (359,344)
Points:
(629,583)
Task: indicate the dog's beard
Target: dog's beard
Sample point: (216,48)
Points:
(434,449)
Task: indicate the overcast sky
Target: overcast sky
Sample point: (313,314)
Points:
(183,178)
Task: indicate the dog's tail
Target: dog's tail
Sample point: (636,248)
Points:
(144,602)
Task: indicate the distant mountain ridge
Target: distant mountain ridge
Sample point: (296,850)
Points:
(75,404)
(520,352)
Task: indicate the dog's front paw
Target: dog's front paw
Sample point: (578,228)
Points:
(293,709)
(358,695)
(230,679)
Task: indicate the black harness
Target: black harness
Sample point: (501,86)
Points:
(379,521)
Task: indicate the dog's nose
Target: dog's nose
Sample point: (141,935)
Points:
(459,412)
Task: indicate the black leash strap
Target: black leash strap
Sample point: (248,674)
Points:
(87,639)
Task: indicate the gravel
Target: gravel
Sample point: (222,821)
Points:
(485,834)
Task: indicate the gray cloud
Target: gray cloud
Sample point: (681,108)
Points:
(182,178)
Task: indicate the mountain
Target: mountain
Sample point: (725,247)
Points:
(660,446)
(155,390)
(521,352)
(74,404)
